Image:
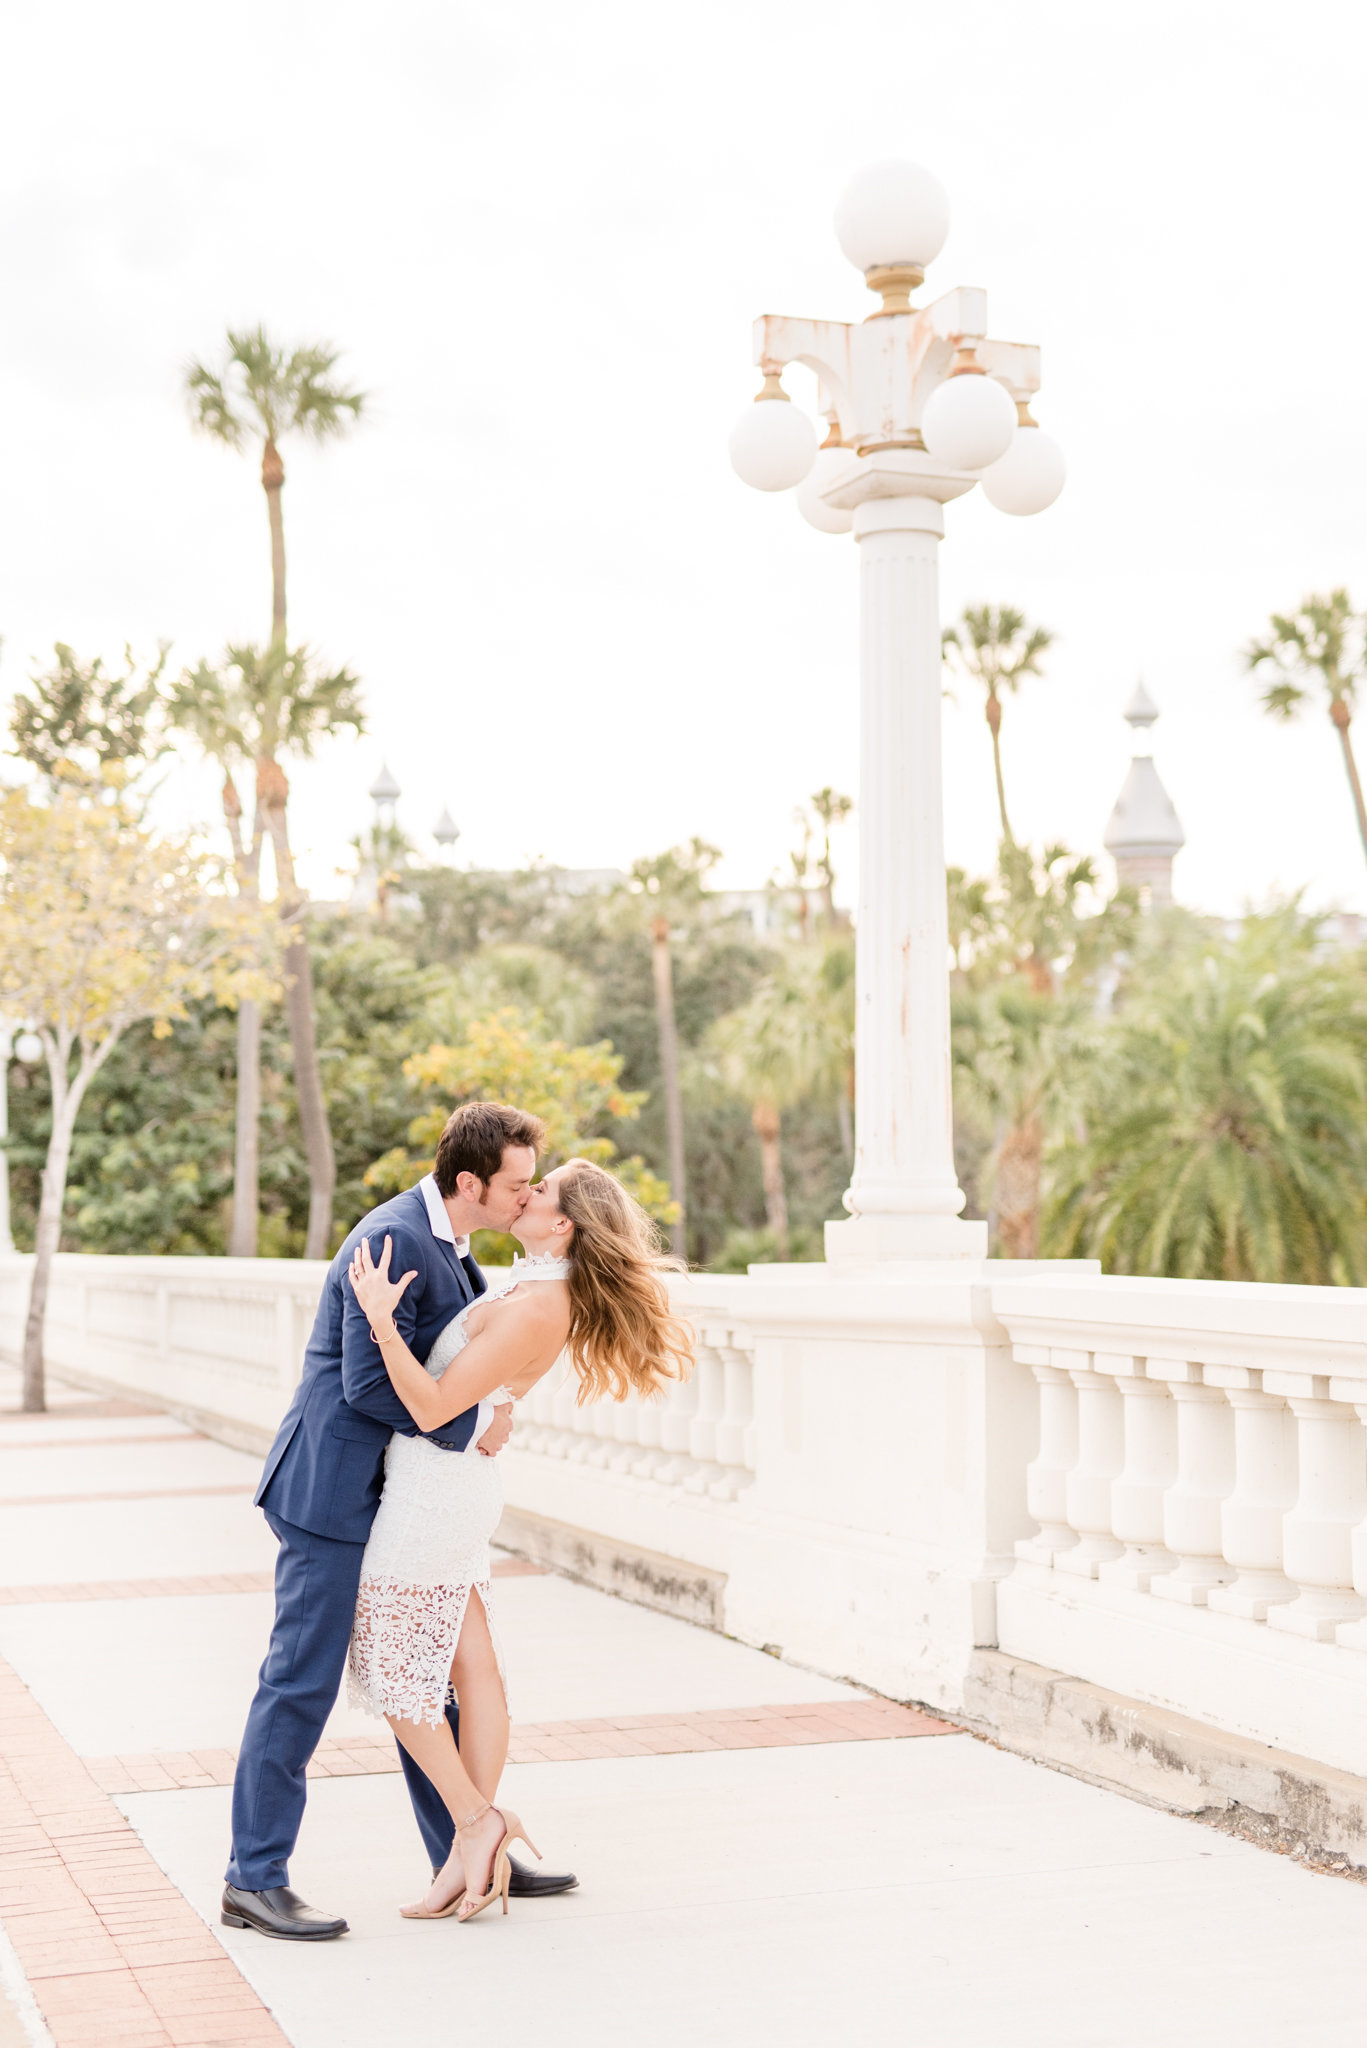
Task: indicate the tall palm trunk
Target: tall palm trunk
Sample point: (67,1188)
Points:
(669,1074)
(1018,1188)
(1342,718)
(272,483)
(994,726)
(272,793)
(272,796)
(844,1111)
(67,1096)
(244,1228)
(768,1128)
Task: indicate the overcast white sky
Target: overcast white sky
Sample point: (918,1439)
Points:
(540,234)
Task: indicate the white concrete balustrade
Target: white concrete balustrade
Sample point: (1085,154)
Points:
(1157,1486)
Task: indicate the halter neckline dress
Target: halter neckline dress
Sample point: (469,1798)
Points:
(429,1549)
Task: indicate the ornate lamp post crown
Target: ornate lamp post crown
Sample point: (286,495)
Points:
(921,405)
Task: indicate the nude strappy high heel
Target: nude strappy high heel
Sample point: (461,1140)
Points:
(501,1874)
(421,1912)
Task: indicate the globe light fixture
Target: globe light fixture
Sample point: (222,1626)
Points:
(969,420)
(892,218)
(28,1047)
(1030,475)
(833,462)
(922,402)
(773,444)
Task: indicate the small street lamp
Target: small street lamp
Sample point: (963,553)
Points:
(921,406)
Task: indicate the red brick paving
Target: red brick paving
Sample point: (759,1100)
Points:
(209,1582)
(716,1728)
(76,1500)
(106,1443)
(97,1410)
(113,1953)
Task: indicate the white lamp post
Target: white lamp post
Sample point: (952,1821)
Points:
(922,405)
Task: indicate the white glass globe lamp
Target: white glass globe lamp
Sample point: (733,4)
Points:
(772,445)
(1030,475)
(28,1047)
(968,420)
(832,461)
(892,214)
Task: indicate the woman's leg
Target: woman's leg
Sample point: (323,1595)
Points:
(478,1686)
(474,1671)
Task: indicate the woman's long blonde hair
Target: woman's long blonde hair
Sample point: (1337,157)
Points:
(624,1337)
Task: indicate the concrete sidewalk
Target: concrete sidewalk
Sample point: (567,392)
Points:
(765,1857)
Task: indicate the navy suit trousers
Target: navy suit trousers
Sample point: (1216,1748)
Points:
(316,1578)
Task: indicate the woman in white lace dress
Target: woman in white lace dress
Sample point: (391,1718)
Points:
(593,1284)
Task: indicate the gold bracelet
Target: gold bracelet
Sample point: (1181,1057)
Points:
(375,1337)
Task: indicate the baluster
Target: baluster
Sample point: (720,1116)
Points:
(1139,1488)
(1046,1476)
(738,1407)
(650,1458)
(1205,1474)
(1264,1489)
(1331,1499)
(710,1376)
(1353,1634)
(1100,1455)
(625,1420)
(676,1424)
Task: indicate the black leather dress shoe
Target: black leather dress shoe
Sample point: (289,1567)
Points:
(535,1884)
(279,1912)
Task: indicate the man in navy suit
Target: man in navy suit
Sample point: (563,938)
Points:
(321,1487)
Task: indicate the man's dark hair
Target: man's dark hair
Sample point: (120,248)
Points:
(476,1137)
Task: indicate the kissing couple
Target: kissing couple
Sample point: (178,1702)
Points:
(382,1491)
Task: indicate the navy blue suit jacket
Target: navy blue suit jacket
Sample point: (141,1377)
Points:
(326,1466)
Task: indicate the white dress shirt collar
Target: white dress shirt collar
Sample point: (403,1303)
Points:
(438,1218)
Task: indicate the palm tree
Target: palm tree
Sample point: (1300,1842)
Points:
(831,809)
(1029,949)
(1226,1136)
(996,646)
(670,890)
(1320,645)
(265,392)
(1020,1054)
(793,1040)
(248,713)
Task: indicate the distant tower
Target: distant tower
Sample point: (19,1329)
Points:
(446,832)
(384,793)
(1144,833)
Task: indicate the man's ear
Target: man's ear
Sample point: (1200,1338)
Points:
(470,1187)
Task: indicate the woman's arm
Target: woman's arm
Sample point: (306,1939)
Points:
(520,1342)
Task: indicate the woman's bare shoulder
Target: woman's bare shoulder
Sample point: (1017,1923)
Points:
(534,1307)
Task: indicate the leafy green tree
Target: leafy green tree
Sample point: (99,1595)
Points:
(79,719)
(264,392)
(995,645)
(668,889)
(1033,942)
(1321,647)
(831,809)
(789,1043)
(1225,1132)
(102,926)
(507,1057)
(246,714)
